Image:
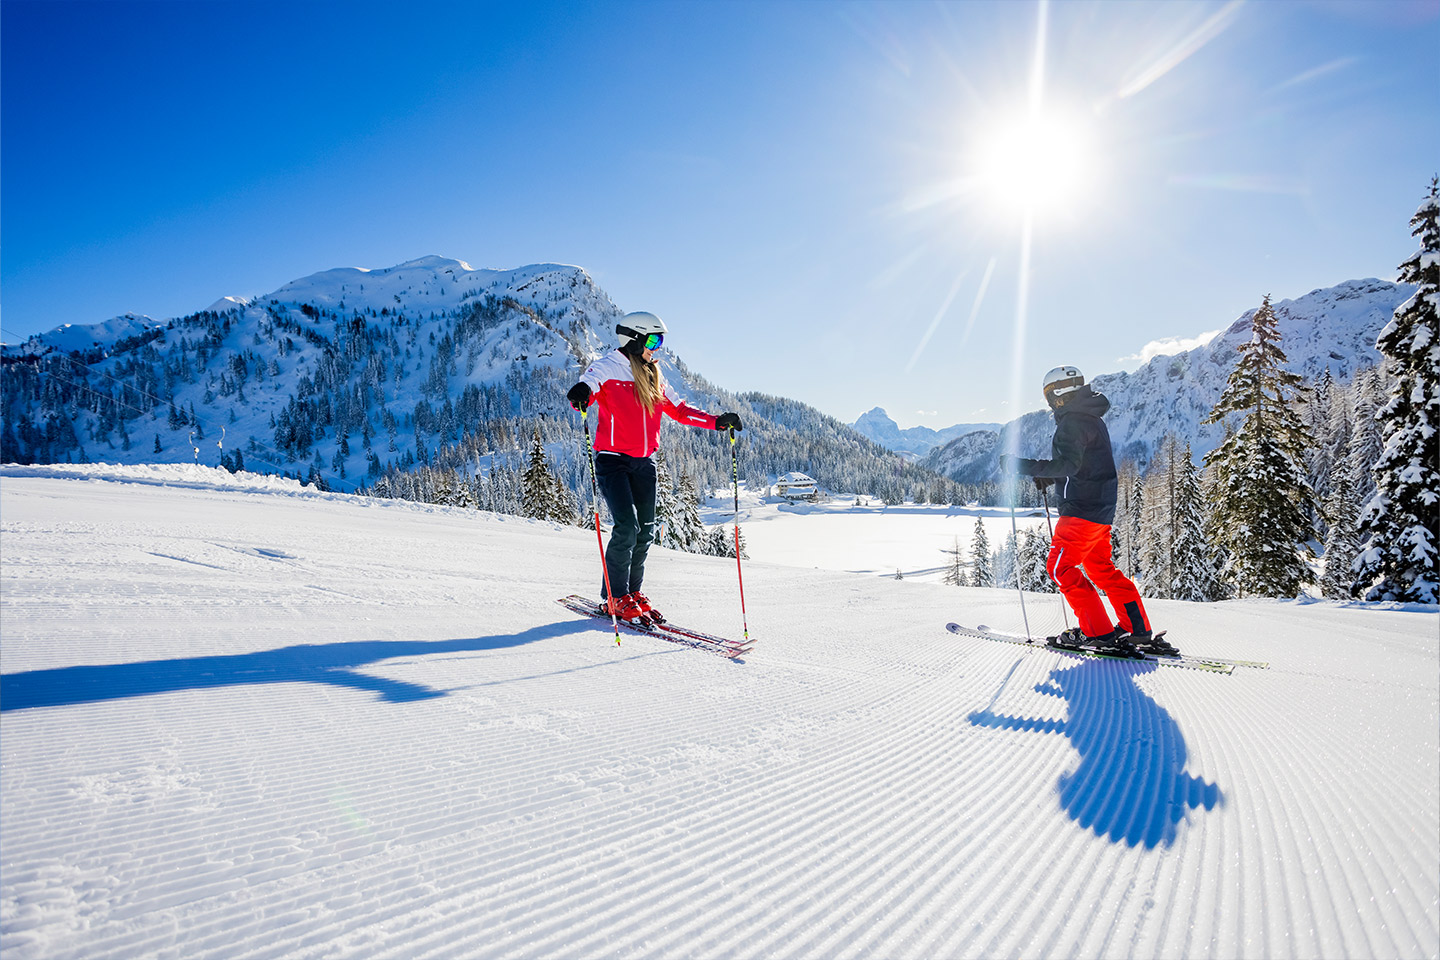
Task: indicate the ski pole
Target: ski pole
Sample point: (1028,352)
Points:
(1045,496)
(595,504)
(1015,569)
(735,481)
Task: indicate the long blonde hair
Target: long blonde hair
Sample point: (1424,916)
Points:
(647,381)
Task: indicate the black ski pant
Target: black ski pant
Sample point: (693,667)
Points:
(628,486)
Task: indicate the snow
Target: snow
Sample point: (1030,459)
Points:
(75,336)
(862,534)
(246,720)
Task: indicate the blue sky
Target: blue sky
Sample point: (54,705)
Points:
(799,189)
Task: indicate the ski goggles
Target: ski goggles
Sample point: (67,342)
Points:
(653,341)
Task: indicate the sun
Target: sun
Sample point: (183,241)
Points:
(1037,163)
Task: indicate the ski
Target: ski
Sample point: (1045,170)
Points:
(1177,655)
(1187,663)
(731,649)
(1252,664)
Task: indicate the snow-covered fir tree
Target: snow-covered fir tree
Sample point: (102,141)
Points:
(1004,562)
(1030,564)
(1264,501)
(1158,532)
(1121,527)
(1195,575)
(721,539)
(1135,535)
(955,565)
(562,502)
(1342,541)
(667,504)
(1219,555)
(538,498)
(688,533)
(1367,399)
(1327,417)
(1401,523)
(982,574)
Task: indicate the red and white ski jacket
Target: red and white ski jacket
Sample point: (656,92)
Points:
(624,425)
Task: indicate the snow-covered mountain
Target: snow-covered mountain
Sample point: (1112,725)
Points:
(915,441)
(292,378)
(1333,329)
(349,373)
(424,289)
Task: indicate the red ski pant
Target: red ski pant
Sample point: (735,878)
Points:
(1080,543)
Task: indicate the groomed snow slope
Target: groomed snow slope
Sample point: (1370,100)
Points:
(245,720)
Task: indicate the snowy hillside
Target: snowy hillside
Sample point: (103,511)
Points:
(349,375)
(243,718)
(303,379)
(1329,329)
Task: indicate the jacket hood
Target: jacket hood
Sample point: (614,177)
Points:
(1085,400)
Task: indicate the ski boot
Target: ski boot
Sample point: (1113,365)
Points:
(624,608)
(650,613)
(1069,640)
(1154,644)
(1116,643)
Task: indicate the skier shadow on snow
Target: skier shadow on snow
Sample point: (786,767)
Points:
(331,664)
(1131,785)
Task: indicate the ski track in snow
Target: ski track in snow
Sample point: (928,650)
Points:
(307,725)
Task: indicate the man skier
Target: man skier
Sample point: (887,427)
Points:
(1082,464)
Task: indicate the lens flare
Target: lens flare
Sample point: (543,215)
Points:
(1040,163)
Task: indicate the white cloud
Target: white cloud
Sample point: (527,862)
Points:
(1166,347)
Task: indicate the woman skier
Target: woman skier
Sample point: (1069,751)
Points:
(1083,465)
(632,395)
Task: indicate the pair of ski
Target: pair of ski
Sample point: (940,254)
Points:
(731,649)
(1184,661)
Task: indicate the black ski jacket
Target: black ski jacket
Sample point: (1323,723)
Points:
(1082,464)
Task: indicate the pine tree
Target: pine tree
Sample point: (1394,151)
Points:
(1157,531)
(1195,576)
(1005,561)
(1031,563)
(538,483)
(1136,534)
(982,574)
(1342,543)
(563,509)
(667,505)
(955,566)
(1321,421)
(688,532)
(1366,444)
(1401,523)
(1262,513)
(720,542)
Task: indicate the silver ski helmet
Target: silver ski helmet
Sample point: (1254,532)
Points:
(1059,382)
(640,331)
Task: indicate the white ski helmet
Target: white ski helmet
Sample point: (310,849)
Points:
(1060,381)
(638,326)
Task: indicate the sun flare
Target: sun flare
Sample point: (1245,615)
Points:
(1040,163)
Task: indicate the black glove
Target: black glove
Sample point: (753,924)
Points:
(728,421)
(1043,483)
(579,396)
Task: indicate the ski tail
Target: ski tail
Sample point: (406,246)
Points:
(732,649)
